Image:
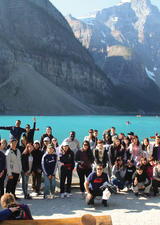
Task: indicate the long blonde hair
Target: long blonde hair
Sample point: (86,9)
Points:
(8,200)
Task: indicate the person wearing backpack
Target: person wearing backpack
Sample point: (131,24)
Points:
(6,213)
(23,213)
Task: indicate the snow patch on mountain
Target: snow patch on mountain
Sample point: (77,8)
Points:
(102,41)
(104,35)
(124,1)
(150,74)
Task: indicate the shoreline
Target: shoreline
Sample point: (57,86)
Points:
(124,208)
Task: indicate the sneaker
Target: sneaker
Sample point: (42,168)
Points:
(68,195)
(62,195)
(104,202)
(52,196)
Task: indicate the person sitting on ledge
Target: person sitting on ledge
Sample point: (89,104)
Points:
(6,213)
(7,202)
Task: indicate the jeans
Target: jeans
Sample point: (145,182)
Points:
(49,185)
(25,183)
(118,183)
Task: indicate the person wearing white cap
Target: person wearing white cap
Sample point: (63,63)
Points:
(46,142)
(67,165)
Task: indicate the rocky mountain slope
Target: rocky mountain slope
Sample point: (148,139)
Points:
(124,41)
(43,68)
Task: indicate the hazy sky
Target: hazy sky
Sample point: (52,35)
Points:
(80,8)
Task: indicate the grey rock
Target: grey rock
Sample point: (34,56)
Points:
(44,69)
(123,41)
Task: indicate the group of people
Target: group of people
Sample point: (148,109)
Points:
(118,160)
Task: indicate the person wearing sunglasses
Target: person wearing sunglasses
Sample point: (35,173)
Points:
(93,186)
(84,160)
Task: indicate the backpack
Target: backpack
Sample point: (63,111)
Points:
(17,215)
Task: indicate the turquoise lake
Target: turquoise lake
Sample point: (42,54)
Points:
(144,126)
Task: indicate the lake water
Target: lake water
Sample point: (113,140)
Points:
(62,125)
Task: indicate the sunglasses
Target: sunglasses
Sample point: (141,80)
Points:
(99,168)
(85,144)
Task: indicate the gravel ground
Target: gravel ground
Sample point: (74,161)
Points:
(124,208)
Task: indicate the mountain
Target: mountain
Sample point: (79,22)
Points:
(124,42)
(44,69)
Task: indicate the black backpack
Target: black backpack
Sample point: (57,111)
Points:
(17,215)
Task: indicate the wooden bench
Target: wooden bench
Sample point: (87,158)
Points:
(100,220)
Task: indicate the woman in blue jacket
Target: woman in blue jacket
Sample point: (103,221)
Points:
(49,165)
(6,213)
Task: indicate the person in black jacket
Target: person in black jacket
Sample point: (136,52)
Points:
(2,172)
(156,150)
(23,144)
(130,170)
(49,165)
(47,134)
(100,154)
(142,182)
(29,133)
(84,159)
(27,162)
(114,151)
(67,165)
(37,167)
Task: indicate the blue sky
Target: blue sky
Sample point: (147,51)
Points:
(80,8)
